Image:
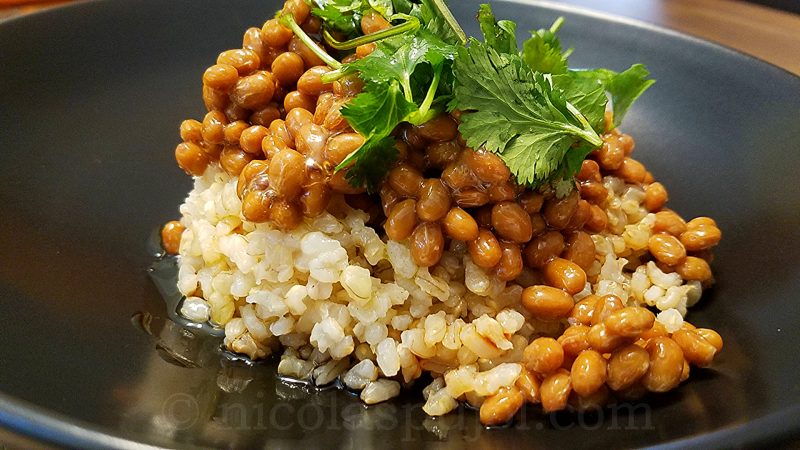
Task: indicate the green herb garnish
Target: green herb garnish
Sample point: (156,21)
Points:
(623,87)
(408,79)
(516,113)
(499,35)
(344,16)
(541,117)
(543,52)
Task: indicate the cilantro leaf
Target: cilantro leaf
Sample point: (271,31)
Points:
(587,94)
(585,88)
(439,21)
(347,24)
(366,163)
(623,87)
(378,109)
(542,51)
(380,66)
(573,160)
(535,157)
(563,181)
(416,63)
(339,5)
(343,16)
(626,87)
(374,113)
(501,35)
(516,113)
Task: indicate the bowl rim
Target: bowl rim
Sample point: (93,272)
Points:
(48,426)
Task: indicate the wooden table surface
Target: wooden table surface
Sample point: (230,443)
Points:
(766,33)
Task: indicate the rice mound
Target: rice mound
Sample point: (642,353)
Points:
(341,302)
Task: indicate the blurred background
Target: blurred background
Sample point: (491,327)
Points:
(767,29)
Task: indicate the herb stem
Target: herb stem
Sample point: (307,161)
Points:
(428,101)
(333,75)
(557,25)
(587,133)
(554,29)
(288,21)
(451,20)
(409,26)
(407,93)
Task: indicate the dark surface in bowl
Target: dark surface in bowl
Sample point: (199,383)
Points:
(91,99)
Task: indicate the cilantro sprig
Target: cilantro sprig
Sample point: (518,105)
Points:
(516,112)
(408,79)
(543,52)
(539,116)
(402,83)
